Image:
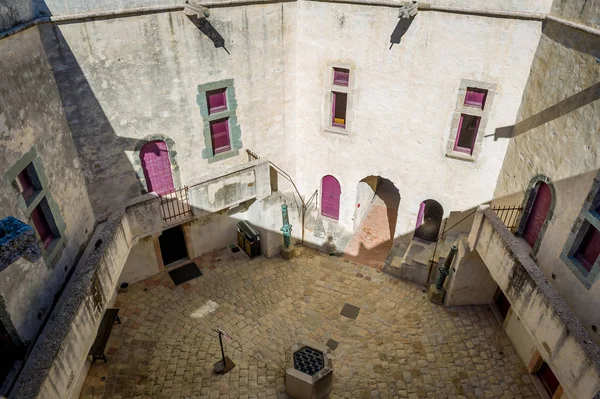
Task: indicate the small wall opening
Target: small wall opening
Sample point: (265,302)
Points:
(429,220)
(172,245)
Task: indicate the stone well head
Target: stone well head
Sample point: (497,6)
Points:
(309,374)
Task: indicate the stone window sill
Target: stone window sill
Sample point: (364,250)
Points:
(462,156)
(337,130)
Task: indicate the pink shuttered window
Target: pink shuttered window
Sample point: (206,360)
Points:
(341,76)
(42,226)
(219,134)
(330,198)
(157,167)
(338,109)
(25,184)
(589,249)
(475,97)
(217,100)
(538,214)
(467,133)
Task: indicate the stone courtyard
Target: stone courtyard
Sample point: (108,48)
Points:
(399,346)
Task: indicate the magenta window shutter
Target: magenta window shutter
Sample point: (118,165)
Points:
(341,76)
(42,226)
(157,167)
(330,197)
(475,97)
(219,134)
(26,186)
(217,100)
(589,249)
(538,214)
(420,215)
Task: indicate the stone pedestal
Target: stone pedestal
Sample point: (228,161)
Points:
(435,295)
(309,374)
(289,252)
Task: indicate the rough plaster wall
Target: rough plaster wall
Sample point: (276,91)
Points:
(24,301)
(520,337)
(31,115)
(124,79)
(404,97)
(213,232)
(141,262)
(13,12)
(560,140)
(586,11)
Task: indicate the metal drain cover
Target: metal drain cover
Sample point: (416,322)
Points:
(309,360)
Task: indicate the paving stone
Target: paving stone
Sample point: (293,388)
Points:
(400,346)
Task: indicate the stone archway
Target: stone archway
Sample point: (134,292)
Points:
(137,161)
(376,215)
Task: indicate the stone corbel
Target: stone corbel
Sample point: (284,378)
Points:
(408,10)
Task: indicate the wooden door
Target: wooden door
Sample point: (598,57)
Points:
(330,197)
(157,167)
(538,214)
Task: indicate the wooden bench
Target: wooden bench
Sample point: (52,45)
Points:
(97,350)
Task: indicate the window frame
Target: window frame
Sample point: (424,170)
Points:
(209,116)
(332,87)
(459,148)
(462,107)
(588,218)
(219,150)
(221,92)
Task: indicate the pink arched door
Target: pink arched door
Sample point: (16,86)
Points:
(330,197)
(537,215)
(157,167)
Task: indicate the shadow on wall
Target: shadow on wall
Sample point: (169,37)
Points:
(581,42)
(205,27)
(100,150)
(400,30)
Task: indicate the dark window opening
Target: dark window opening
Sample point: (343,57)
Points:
(10,353)
(219,135)
(502,304)
(467,133)
(548,379)
(340,101)
(44,223)
(589,249)
(172,245)
(28,182)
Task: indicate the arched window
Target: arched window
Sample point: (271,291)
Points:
(538,204)
(330,197)
(429,220)
(157,167)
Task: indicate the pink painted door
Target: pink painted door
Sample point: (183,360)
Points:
(157,167)
(537,216)
(330,197)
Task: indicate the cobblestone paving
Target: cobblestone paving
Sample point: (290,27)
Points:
(400,345)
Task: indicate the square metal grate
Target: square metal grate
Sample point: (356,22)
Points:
(350,311)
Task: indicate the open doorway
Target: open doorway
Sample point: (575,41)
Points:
(375,220)
(172,245)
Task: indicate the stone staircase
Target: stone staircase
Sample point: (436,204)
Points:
(415,265)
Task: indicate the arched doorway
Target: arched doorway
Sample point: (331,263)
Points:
(154,157)
(429,220)
(538,205)
(330,197)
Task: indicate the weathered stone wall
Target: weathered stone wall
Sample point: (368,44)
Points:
(557,333)
(125,80)
(32,119)
(585,11)
(558,136)
(403,99)
(13,12)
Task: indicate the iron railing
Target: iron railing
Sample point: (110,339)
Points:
(510,216)
(175,205)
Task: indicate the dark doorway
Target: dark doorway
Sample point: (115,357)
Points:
(172,245)
(9,352)
(429,220)
(502,304)
(548,379)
